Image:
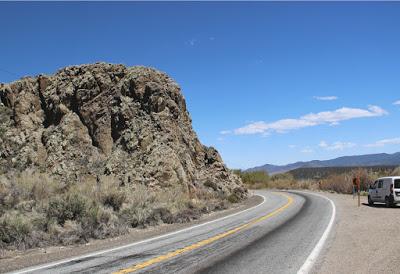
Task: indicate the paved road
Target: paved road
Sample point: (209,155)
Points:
(276,236)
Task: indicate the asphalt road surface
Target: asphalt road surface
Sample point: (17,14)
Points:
(284,234)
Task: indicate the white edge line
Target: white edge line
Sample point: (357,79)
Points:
(312,258)
(36,268)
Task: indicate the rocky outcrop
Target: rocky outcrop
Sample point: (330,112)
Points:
(105,119)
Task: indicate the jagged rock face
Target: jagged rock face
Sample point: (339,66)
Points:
(104,119)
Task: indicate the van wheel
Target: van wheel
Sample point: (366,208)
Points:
(370,202)
(387,202)
(391,201)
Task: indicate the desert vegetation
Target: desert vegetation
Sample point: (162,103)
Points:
(343,182)
(261,179)
(38,211)
(324,172)
(339,180)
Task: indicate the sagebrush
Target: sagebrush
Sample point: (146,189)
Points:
(37,211)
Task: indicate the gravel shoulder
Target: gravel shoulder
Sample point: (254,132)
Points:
(10,261)
(364,240)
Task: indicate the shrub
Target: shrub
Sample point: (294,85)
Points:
(70,233)
(283,181)
(108,224)
(174,199)
(232,198)
(135,216)
(114,199)
(343,183)
(26,186)
(187,215)
(160,215)
(67,207)
(4,193)
(254,179)
(5,119)
(14,229)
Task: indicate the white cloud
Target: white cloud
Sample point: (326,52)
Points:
(307,150)
(397,103)
(384,142)
(340,145)
(334,124)
(292,146)
(323,144)
(310,120)
(326,98)
(191,42)
(336,145)
(225,132)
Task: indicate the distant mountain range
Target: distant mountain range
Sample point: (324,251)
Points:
(381,159)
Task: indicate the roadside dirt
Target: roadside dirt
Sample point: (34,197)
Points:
(14,260)
(364,240)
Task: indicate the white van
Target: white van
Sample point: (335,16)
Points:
(385,190)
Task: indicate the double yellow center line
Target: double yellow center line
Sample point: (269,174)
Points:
(202,243)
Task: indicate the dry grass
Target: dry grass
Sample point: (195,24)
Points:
(37,211)
(396,172)
(343,183)
(339,182)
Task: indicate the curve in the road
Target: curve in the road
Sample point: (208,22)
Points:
(283,234)
(285,247)
(202,243)
(98,253)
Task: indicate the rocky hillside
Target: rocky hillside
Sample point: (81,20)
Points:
(96,150)
(102,119)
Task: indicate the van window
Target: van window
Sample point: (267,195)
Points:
(380,184)
(397,183)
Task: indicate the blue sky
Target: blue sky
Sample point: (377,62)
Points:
(254,75)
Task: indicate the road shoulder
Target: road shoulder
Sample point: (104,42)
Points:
(364,239)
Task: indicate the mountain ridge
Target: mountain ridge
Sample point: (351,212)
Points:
(378,159)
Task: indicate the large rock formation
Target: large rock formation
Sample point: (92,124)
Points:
(104,119)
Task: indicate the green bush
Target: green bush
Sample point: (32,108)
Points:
(254,179)
(67,207)
(232,198)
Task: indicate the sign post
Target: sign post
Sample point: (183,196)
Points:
(356,187)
